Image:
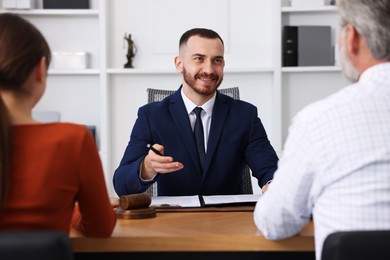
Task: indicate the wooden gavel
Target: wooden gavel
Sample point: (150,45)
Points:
(135,201)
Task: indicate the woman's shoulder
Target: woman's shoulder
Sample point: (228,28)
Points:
(65,126)
(60,130)
(59,127)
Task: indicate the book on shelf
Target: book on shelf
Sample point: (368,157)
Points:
(201,201)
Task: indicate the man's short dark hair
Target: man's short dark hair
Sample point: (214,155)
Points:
(202,32)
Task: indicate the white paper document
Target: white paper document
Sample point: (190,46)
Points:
(204,201)
(230,199)
(176,201)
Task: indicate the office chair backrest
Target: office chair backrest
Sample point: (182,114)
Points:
(159,94)
(357,245)
(35,245)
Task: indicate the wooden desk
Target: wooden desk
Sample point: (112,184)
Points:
(191,232)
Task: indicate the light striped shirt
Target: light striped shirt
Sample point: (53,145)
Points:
(335,165)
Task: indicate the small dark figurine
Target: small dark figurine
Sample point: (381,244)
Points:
(131,50)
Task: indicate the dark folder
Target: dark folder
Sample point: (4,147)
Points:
(307,46)
(66,4)
(290,46)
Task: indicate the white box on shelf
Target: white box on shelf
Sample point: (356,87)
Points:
(286,3)
(9,4)
(24,4)
(70,60)
(300,3)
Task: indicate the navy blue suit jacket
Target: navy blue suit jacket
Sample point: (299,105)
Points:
(237,137)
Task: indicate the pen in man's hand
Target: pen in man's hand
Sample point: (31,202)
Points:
(154,149)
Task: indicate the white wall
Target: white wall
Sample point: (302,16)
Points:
(156,26)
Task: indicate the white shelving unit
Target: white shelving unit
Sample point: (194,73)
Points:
(304,85)
(79,95)
(308,9)
(107,95)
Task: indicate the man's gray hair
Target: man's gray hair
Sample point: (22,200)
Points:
(371,18)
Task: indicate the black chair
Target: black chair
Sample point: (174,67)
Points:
(35,245)
(357,245)
(159,94)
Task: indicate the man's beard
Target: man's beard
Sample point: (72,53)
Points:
(191,81)
(349,70)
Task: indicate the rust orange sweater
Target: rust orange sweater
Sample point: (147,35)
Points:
(54,166)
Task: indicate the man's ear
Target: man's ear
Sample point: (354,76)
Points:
(178,64)
(41,70)
(352,40)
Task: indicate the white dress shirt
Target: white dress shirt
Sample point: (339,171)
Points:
(335,165)
(205,115)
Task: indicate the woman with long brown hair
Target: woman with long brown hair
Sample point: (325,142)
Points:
(51,176)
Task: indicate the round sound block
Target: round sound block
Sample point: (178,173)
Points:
(136,213)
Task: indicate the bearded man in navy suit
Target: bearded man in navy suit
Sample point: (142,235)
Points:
(233,133)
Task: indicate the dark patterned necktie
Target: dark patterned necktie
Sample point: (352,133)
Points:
(199,135)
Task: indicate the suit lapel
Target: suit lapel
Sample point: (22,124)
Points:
(220,112)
